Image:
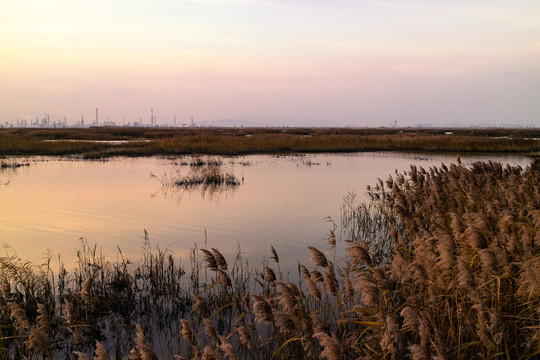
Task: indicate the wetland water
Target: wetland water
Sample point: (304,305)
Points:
(283,201)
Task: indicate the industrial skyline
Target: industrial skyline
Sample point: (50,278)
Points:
(45,122)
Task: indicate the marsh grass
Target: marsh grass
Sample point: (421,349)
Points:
(442,264)
(223,141)
(205,172)
(208,176)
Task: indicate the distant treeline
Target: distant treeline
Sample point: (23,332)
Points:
(120,141)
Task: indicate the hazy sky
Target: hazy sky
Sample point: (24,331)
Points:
(294,62)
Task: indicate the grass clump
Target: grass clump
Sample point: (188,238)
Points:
(443,264)
(11,164)
(209,175)
(205,173)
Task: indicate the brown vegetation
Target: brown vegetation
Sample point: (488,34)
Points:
(96,142)
(206,173)
(447,267)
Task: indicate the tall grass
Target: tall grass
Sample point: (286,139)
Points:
(444,263)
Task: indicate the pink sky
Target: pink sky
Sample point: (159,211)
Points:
(365,63)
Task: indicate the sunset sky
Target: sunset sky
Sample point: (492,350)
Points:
(295,62)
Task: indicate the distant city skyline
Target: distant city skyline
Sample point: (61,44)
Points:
(46,122)
(271,62)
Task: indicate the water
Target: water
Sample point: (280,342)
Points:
(49,206)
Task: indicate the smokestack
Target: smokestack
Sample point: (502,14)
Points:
(97,118)
(151,117)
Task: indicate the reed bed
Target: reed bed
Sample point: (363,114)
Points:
(444,263)
(218,141)
(208,176)
(205,172)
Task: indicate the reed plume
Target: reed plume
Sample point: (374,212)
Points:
(283,322)
(209,329)
(220,260)
(317,276)
(330,283)
(209,353)
(332,349)
(313,289)
(274,256)
(211,262)
(80,355)
(200,305)
(224,278)
(270,276)
(305,272)
(18,313)
(227,347)
(101,353)
(368,288)
(245,337)
(317,257)
(39,339)
(331,241)
(262,309)
(287,297)
(145,351)
(85,293)
(186,331)
(359,253)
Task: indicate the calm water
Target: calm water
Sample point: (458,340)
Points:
(283,201)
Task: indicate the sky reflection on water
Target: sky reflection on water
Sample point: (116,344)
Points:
(283,201)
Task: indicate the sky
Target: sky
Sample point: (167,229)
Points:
(273,62)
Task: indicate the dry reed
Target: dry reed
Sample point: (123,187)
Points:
(443,264)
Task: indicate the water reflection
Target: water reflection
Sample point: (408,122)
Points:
(283,201)
(206,192)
